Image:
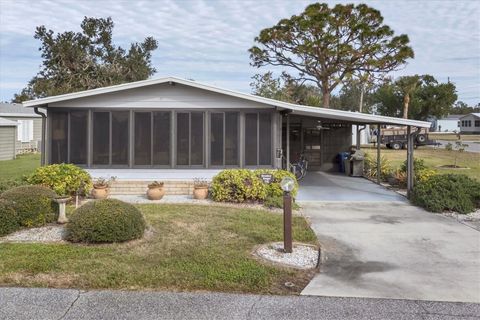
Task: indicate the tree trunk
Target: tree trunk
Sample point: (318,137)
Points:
(406,102)
(326,99)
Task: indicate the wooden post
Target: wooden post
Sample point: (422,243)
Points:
(379,170)
(410,168)
(287,222)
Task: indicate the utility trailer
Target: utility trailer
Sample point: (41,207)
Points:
(396,138)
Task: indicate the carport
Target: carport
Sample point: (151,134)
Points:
(322,133)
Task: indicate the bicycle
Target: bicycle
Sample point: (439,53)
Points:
(299,168)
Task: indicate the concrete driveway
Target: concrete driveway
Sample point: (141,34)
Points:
(393,250)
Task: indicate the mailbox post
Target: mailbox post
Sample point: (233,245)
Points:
(287,185)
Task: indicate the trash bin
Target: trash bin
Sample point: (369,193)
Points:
(342,156)
(356,161)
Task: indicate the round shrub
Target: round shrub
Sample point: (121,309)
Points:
(107,220)
(33,205)
(8,218)
(448,192)
(64,179)
(237,185)
(274,189)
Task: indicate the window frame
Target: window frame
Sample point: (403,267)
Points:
(204,143)
(224,122)
(272,142)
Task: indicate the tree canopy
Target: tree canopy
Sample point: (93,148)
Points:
(327,46)
(428,97)
(75,61)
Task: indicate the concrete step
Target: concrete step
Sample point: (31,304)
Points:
(129,187)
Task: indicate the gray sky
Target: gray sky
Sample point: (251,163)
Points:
(207,40)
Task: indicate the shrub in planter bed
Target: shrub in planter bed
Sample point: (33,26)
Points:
(453,192)
(11,183)
(34,205)
(106,220)
(8,218)
(241,185)
(64,179)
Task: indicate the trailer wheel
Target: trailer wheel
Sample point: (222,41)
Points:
(388,146)
(421,138)
(396,146)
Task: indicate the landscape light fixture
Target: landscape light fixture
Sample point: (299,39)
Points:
(287,184)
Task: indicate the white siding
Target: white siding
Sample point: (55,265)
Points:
(161,96)
(7,142)
(467,124)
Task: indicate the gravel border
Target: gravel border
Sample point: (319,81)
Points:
(304,256)
(48,234)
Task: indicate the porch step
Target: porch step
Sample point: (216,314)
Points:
(129,187)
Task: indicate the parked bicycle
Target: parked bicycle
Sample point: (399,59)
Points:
(299,168)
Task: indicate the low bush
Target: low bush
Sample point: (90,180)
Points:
(370,167)
(34,205)
(8,218)
(11,183)
(277,202)
(449,192)
(243,185)
(64,179)
(105,221)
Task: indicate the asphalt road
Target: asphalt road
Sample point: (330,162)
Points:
(36,303)
(473,146)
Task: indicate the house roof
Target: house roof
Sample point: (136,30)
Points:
(7,123)
(475,114)
(16,110)
(355,117)
(452,117)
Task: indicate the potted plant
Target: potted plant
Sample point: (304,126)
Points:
(155,191)
(101,188)
(200,189)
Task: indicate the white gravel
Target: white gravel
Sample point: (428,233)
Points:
(51,233)
(303,256)
(471,219)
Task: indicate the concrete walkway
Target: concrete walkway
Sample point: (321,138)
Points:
(45,304)
(323,186)
(393,250)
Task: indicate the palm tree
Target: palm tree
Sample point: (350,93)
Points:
(407,86)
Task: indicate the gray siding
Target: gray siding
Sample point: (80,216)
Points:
(37,134)
(161,96)
(8,136)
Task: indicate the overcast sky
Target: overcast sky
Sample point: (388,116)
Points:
(207,40)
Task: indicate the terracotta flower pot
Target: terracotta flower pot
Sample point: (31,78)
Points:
(100,192)
(200,193)
(155,193)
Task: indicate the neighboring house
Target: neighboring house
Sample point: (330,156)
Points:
(29,129)
(447,124)
(181,124)
(8,139)
(470,123)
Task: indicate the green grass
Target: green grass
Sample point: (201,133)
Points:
(454,137)
(191,248)
(17,168)
(434,158)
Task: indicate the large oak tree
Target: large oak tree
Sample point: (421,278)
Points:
(329,45)
(75,61)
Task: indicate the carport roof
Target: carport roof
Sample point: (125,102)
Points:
(345,116)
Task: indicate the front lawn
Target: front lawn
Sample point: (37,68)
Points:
(191,248)
(434,158)
(17,168)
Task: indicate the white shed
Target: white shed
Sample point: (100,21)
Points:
(470,123)
(8,139)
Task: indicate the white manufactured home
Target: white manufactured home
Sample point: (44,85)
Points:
(470,123)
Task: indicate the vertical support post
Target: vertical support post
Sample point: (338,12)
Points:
(357,137)
(287,222)
(379,170)
(410,169)
(288,143)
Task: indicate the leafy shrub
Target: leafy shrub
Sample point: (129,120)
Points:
(422,173)
(418,165)
(107,220)
(33,205)
(8,218)
(64,179)
(447,192)
(274,189)
(240,185)
(12,183)
(370,167)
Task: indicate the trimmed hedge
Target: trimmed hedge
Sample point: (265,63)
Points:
(8,218)
(11,183)
(243,185)
(105,221)
(64,179)
(448,192)
(34,205)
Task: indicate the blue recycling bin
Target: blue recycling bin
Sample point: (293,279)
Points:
(342,156)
